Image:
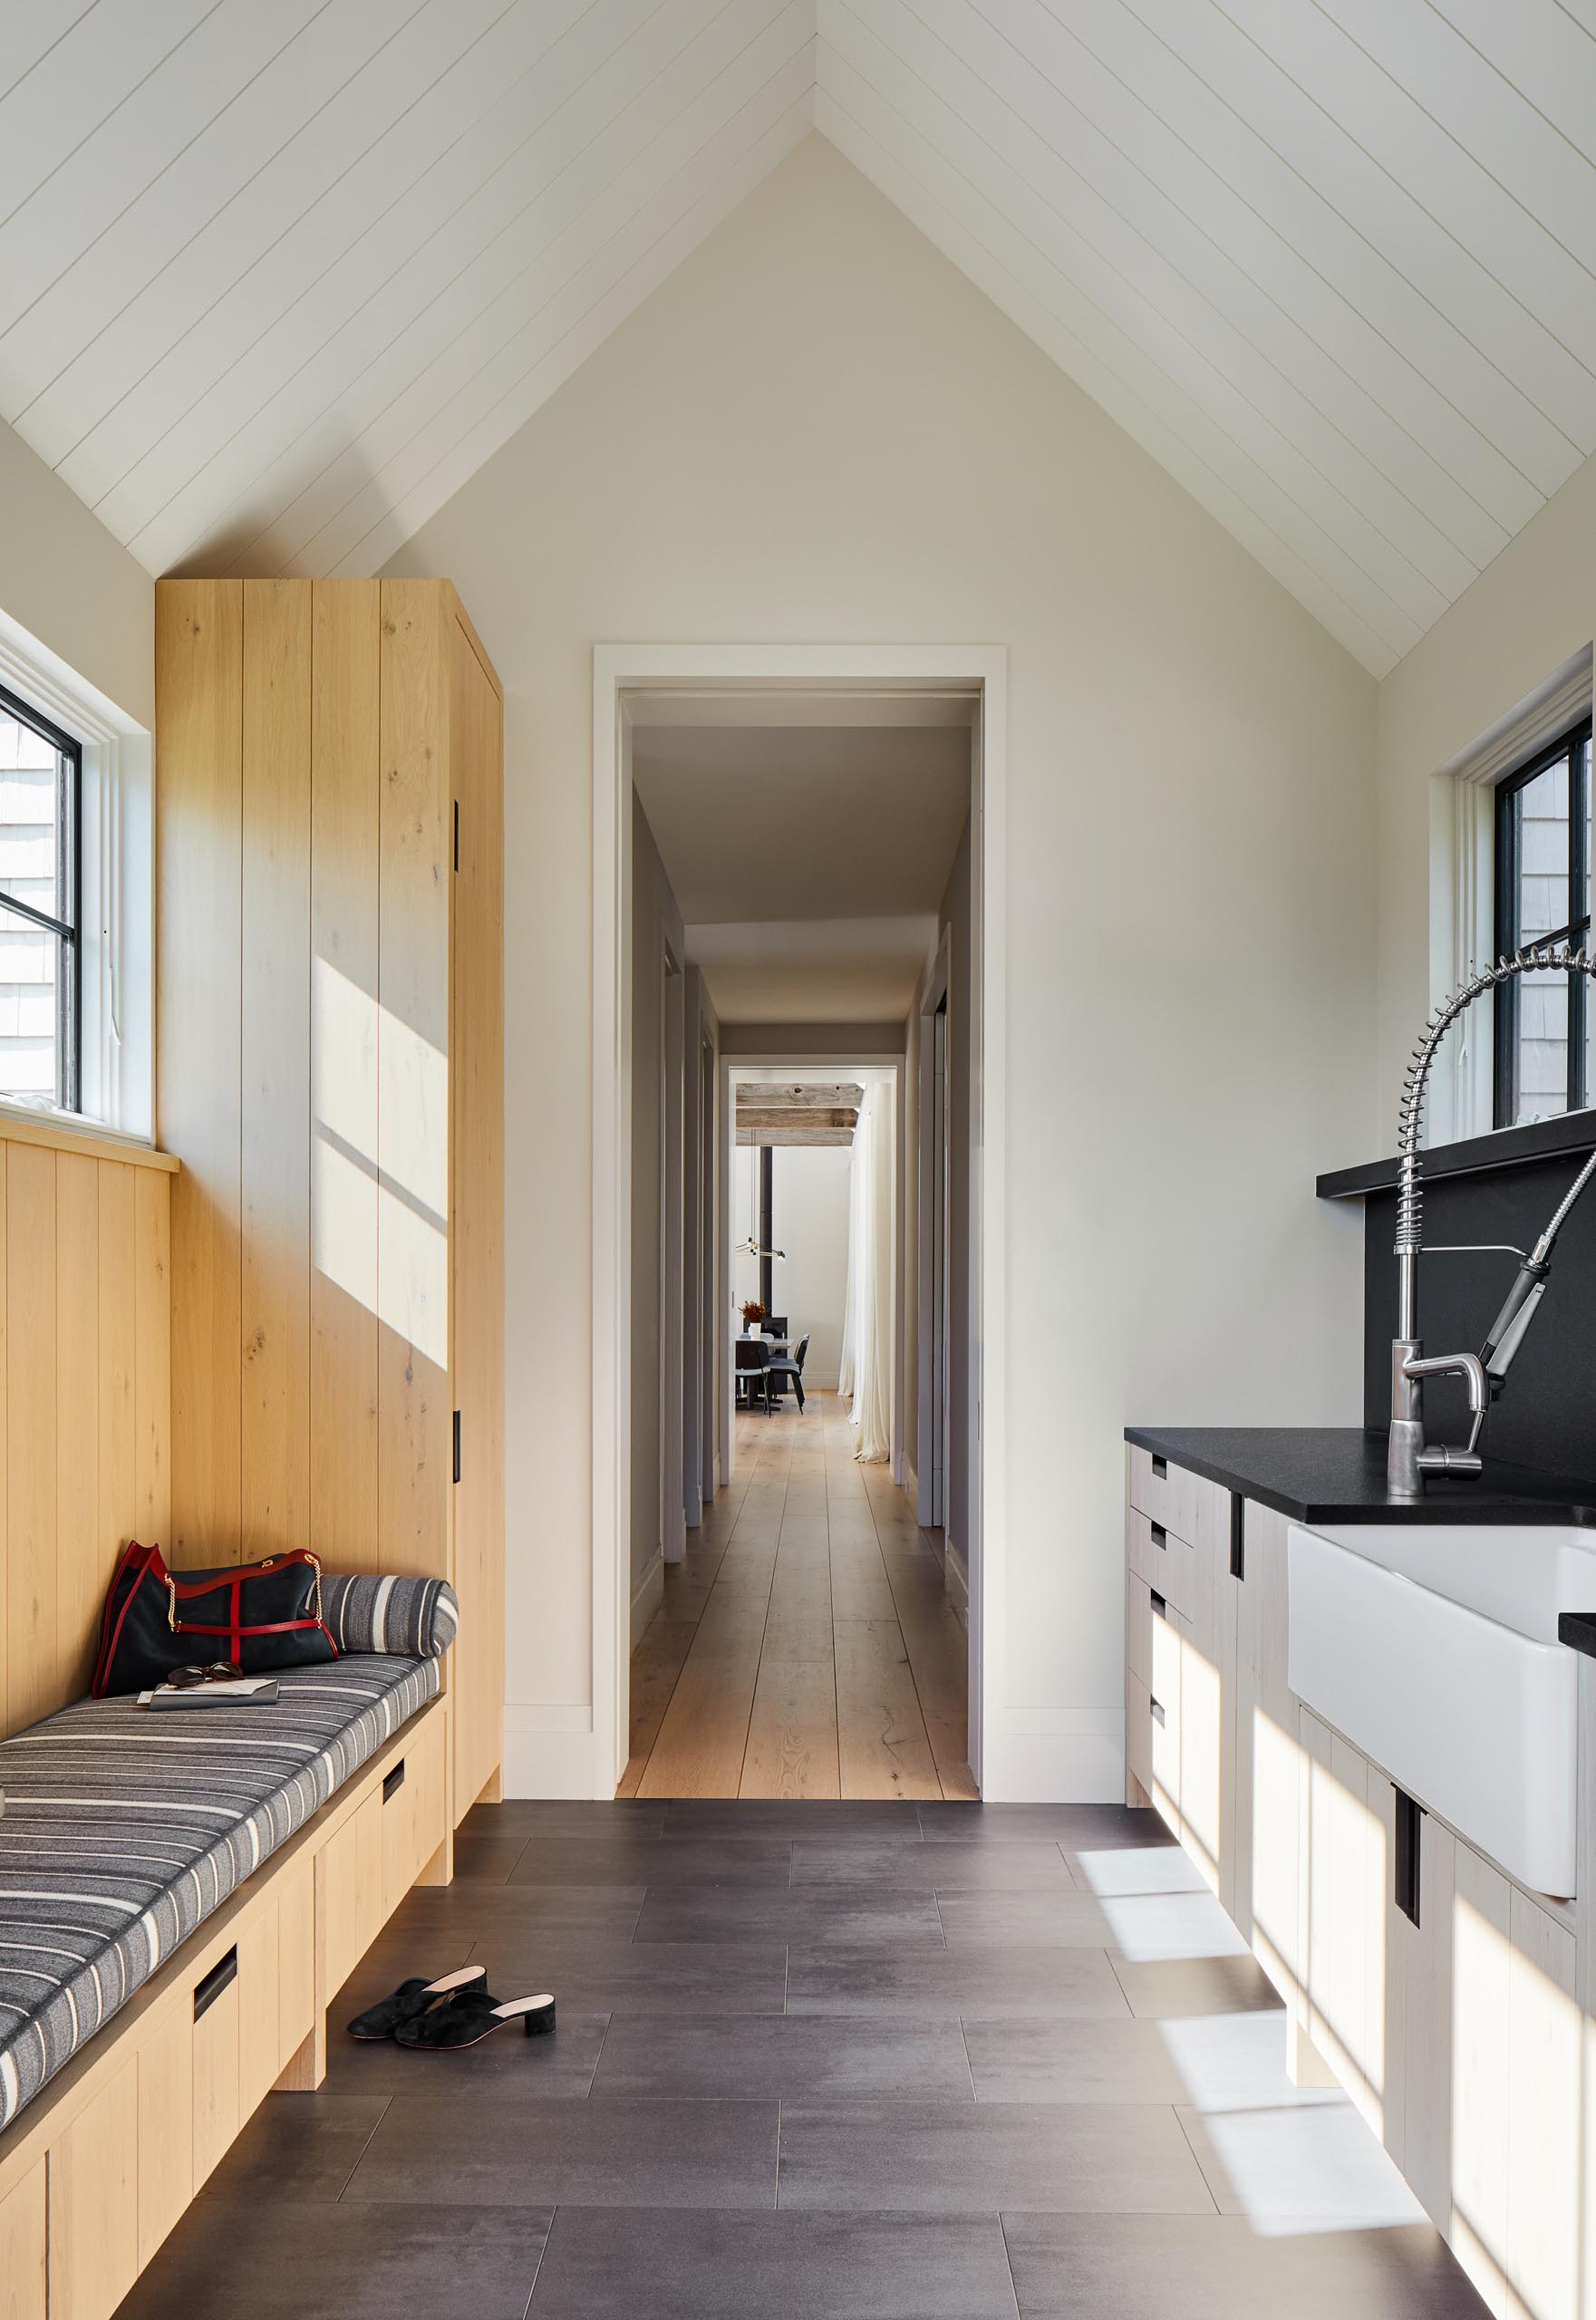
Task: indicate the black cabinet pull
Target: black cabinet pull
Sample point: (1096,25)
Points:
(456,1445)
(1158,1708)
(1160,1468)
(1158,1534)
(1160,1609)
(1238,1535)
(393,1781)
(210,1987)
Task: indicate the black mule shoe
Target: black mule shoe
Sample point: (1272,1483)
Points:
(414,1999)
(473,2016)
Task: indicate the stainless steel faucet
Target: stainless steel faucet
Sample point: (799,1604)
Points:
(1409,1457)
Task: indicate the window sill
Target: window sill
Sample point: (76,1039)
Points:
(69,1132)
(1571,1133)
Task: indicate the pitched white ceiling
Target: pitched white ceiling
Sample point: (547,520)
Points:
(274,280)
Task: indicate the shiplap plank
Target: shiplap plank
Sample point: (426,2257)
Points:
(82,1564)
(31,1418)
(1436,271)
(153,1398)
(413,1405)
(344,780)
(403,285)
(476,1093)
(79,83)
(517,236)
(634,210)
(631,279)
(1350,374)
(166,113)
(251,262)
(1120,230)
(118,1302)
(1484,113)
(1539,46)
(1140,318)
(274,1108)
(1338,283)
(1404,136)
(33,27)
(996,253)
(67,277)
(199,713)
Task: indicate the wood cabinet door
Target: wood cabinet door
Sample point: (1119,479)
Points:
(93,2203)
(166,2120)
(1163,1707)
(1545,2174)
(23,2238)
(349,1893)
(1348,1876)
(1267,1777)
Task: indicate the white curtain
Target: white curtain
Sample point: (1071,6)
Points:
(868,1321)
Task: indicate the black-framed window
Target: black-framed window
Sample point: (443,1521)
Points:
(1544,1022)
(40,892)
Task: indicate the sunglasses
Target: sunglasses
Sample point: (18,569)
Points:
(220,1671)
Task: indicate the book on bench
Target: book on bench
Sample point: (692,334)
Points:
(248,1691)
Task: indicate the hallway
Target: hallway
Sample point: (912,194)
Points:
(805,1647)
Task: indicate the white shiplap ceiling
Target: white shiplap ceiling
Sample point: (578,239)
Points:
(275,278)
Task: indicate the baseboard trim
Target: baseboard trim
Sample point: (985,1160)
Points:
(1047,1756)
(548,1751)
(647,1596)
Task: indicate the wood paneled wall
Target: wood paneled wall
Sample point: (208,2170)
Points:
(330,1077)
(84,1306)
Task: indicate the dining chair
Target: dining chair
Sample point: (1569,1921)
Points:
(753,1357)
(779,1372)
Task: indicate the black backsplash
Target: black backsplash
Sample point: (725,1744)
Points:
(1546,1417)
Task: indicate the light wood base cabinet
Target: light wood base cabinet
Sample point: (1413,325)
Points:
(1457,2010)
(99,2168)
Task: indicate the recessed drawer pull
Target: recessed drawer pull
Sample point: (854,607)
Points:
(393,1781)
(1160,1536)
(1160,1607)
(1158,1708)
(1160,1468)
(207,1990)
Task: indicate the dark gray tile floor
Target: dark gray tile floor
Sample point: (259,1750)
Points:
(838,2062)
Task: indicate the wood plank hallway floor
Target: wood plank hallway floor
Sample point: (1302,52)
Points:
(832,2061)
(805,1646)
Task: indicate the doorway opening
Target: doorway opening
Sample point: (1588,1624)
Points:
(796,1556)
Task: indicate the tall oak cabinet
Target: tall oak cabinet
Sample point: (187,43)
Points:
(330,1077)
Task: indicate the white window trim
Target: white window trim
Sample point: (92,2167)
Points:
(1474,776)
(116,942)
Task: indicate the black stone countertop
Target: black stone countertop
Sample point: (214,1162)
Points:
(1337,1473)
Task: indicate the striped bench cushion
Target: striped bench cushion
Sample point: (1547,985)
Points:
(372,1612)
(122,1831)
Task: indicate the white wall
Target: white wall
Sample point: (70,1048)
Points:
(1529,611)
(818,430)
(70,586)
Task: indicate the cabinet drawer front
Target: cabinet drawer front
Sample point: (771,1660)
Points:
(1163,1561)
(1139,1629)
(166,2121)
(1163,1709)
(1138,1730)
(23,2238)
(1192,1508)
(218,2110)
(349,1893)
(260,2034)
(413,1811)
(296,1959)
(93,2203)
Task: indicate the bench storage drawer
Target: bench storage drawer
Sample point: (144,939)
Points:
(349,1893)
(23,2244)
(93,2203)
(412,1814)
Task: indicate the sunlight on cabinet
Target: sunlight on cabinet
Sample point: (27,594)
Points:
(1347,1883)
(1276,1929)
(1543,2116)
(1480,2074)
